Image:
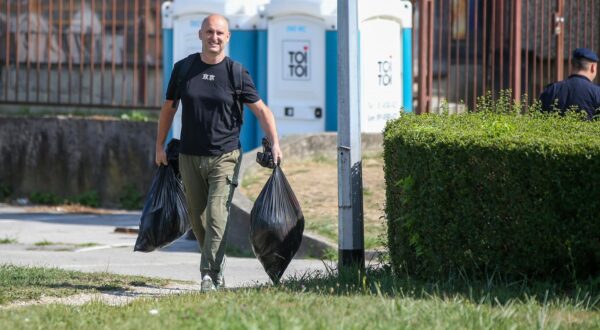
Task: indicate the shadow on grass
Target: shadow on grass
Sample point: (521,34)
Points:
(87,287)
(380,281)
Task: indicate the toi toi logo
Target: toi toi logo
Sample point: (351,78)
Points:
(385,73)
(298,63)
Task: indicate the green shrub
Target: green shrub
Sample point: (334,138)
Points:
(5,191)
(486,193)
(131,198)
(88,198)
(135,115)
(43,198)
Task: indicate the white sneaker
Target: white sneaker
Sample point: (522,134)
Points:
(220,283)
(207,284)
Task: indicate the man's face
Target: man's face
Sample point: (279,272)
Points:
(214,35)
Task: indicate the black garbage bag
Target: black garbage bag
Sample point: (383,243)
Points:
(276,225)
(164,217)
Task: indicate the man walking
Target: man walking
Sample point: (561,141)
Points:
(578,90)
(210,139)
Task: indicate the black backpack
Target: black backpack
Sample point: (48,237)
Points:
(235,76)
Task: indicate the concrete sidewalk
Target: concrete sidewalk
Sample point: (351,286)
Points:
(88,242)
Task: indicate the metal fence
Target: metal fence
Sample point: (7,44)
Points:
(98,53)
(467,48)
(108,53)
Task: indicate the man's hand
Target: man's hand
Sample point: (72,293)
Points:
(161,156)
(164,123)
(267,122)
(277,155)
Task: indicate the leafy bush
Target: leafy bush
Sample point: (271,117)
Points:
(131,198)
(5,191)
(135,116)
(88,198)
(43,198)
(493,192)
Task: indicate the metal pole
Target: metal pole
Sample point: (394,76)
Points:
(559,31)
(516,49)
(425,80)
(350,203)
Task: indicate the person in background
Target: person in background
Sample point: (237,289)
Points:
(577,91)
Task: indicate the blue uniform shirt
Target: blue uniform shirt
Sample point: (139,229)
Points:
(576,90)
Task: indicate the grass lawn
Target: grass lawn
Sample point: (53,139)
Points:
(8,240)
(25,283)
(314,182)
(332,301)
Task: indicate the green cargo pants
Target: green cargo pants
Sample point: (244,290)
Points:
(209,182)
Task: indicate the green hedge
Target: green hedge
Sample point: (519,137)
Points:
(486,193)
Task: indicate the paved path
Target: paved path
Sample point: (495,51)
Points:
(113,251)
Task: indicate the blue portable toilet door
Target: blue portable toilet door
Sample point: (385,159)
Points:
(381,72)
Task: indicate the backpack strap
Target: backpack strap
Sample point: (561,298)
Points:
(186,65)
(237,70)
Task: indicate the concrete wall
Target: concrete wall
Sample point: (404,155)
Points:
(69,156)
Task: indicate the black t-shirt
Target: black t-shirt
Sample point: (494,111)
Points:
(210,119)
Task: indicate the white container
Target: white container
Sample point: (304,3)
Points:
(296,63)
(384,61)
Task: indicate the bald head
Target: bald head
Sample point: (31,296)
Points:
(215,19)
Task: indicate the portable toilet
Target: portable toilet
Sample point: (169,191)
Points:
(385,42)
(296,57)
(182,19)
